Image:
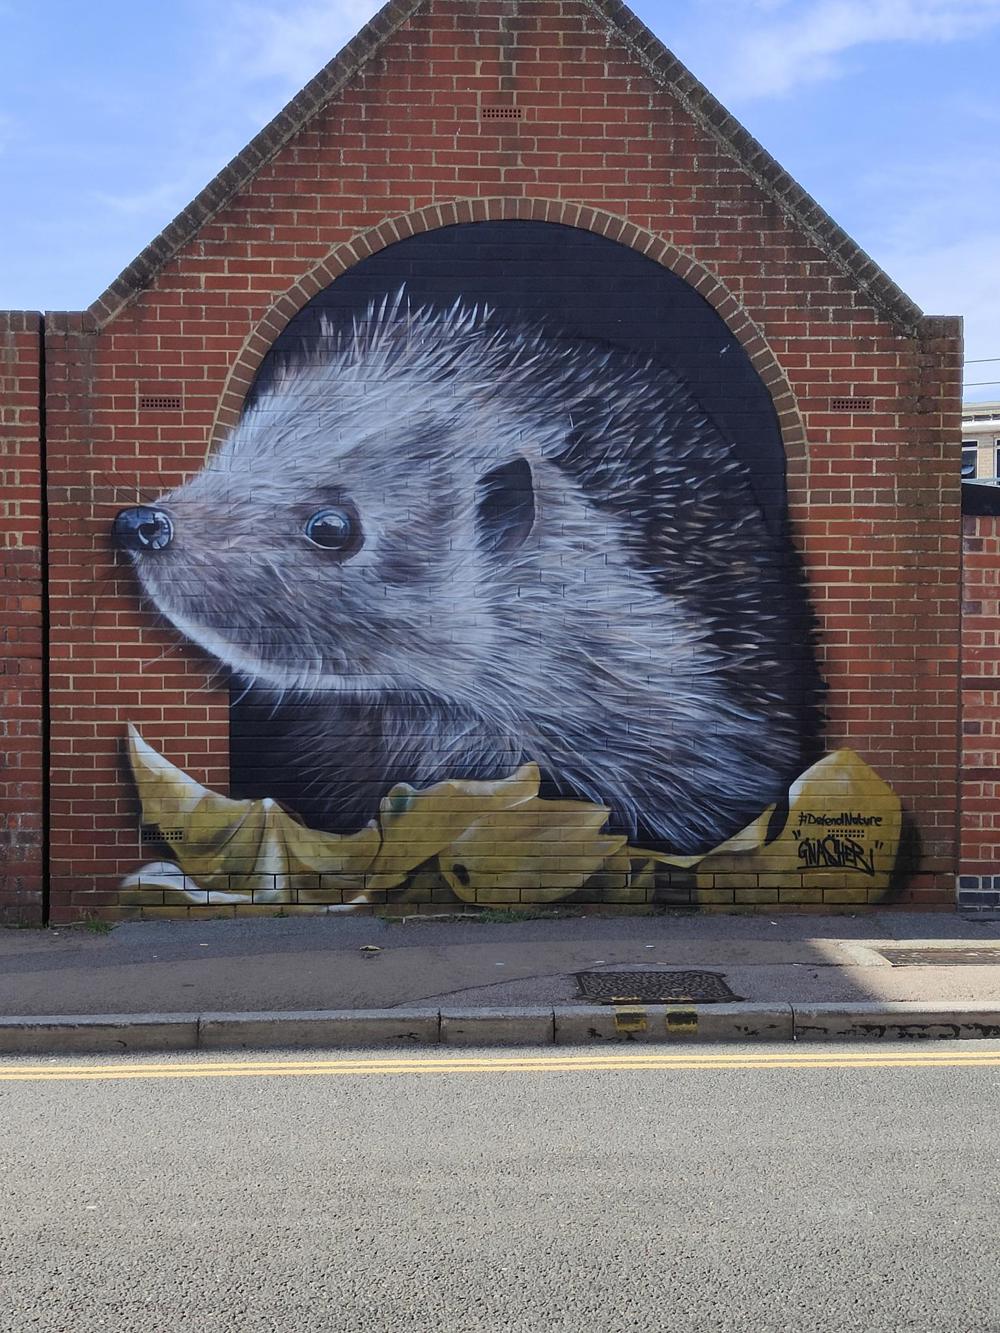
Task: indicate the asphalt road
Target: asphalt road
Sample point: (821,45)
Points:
(703,1188)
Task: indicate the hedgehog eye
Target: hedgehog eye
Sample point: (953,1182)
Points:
(334,530)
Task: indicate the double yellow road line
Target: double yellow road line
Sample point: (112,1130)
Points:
(569,1062)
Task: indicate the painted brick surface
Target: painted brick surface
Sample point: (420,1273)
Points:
(603,144)
(21,593)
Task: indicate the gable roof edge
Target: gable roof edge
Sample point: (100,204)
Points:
(843,251)
(257,153)
(659,62)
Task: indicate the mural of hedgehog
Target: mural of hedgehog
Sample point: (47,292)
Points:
(453,544)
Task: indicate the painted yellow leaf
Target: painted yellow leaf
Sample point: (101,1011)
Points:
(418,825)
(615,881)
(244,846)
(494,843)
(842,830)
(536,852)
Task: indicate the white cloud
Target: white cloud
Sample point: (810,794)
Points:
(290,43)
(161,200)
(253,55)
(914,205)
(776,45)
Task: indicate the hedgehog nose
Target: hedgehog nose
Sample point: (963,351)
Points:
(143,529)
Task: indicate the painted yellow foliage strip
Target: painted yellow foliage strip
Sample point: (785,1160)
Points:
(493,843)
(499,841)
(243,847)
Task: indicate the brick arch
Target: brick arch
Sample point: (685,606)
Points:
(499,209)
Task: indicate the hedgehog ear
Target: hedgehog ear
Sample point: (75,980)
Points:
(505,507)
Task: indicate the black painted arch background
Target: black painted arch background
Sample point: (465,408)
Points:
(571,284)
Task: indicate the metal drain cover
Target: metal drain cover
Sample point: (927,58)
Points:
(943,957)
(654,987)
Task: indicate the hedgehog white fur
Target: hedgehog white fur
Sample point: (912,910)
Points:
(554,555)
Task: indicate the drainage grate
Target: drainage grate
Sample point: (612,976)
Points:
(654,987)
(943,957)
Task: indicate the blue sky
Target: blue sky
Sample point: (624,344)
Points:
(113,114)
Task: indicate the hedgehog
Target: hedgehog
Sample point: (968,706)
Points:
(445,545)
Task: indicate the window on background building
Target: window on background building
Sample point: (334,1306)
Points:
(969,452)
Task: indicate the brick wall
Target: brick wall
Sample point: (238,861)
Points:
(979,884)
(606,144)
(21,646)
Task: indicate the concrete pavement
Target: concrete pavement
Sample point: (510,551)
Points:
(512,974)
(322,963)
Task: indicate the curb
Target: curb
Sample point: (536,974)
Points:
(572,1025)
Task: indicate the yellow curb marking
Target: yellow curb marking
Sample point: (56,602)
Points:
(610,1061)
(681,1021)
(630,1018)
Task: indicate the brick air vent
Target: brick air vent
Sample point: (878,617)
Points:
(161,402)
(851,404)
(502,112)
(151,833)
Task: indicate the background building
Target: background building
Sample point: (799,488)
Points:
(981,441)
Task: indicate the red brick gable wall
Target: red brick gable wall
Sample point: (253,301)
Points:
(21,635)
(874,493)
